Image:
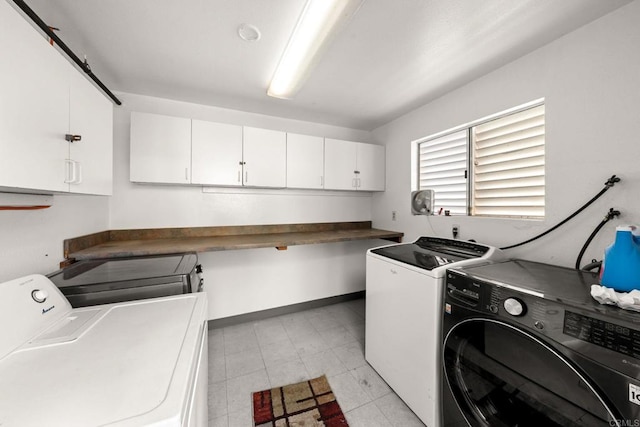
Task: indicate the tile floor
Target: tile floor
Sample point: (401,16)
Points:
(281,350)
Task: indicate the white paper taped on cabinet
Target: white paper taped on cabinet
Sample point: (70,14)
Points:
(625,300)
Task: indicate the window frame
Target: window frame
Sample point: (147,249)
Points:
(470,171)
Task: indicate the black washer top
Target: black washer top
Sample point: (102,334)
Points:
(123,272)
(562,284)
(553,281)
(431,252)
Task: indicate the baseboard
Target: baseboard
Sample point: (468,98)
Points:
(279,311)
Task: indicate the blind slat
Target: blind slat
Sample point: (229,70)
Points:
(509,192)
(523,119)
(519,212)
(512,165)
(426,148)
(511,174)
(513,149)
(513,201)
(534,181)
(452,162)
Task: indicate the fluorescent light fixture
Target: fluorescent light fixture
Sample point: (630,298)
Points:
(319,22)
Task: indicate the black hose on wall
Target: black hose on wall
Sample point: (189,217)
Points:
(610,215)
(607,185)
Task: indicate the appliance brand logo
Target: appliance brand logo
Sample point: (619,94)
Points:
(46,310)
(634,394)
(627,362)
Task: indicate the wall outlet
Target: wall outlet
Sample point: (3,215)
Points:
(455,230)
(394,215)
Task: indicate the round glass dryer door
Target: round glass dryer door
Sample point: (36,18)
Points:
(500,375)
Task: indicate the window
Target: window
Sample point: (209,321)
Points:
(493,167)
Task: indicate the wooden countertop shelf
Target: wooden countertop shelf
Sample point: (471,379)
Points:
(157,241)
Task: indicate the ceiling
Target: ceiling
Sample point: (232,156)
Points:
(394,56)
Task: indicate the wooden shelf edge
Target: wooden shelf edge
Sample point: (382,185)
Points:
(99,245)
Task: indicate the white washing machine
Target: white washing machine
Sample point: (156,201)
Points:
(405,285)
(136,363)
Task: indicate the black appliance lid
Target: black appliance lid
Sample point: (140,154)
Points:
(550,280)
(431,252)
(126,270)
(566,285)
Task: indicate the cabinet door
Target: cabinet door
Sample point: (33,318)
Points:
(34,114)
(91,117)
(216,153)
(264,157)
(370,162)
(305,161)
(160,149)
(339,164)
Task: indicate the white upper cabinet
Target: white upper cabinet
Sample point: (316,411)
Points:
(160,149)
(33,108)
(91,118)
(264,158)
(305,161)
(339,164)
(216,153)
(352,165)
(370,164)
(42,99)
(175,150)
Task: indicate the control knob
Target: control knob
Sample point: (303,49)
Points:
(39,295)
(514,307)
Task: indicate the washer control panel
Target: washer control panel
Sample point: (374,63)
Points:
(29,304)
(601,333)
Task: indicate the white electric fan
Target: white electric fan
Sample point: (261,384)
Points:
(422,202)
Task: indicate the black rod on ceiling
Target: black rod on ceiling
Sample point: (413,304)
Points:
(84,66)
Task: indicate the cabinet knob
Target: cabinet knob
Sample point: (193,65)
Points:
(72,138)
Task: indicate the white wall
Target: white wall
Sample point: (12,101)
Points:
(31,241)
(245,280)
(589,80)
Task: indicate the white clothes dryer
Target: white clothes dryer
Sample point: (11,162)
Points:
(123,364)
(405,285)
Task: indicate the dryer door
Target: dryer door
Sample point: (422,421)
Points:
(500,375)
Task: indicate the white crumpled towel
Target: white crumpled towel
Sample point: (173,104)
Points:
(626,300)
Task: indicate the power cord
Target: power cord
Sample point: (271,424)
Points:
(607,185)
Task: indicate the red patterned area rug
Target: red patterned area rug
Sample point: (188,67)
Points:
(309,403)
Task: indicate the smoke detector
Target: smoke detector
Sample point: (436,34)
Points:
(248,32)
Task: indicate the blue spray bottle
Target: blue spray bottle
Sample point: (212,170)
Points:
(621,263)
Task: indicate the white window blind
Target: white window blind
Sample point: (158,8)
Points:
(508,165)
(443,167)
